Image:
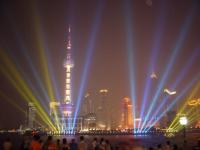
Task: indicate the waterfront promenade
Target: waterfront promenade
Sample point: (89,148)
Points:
(117,142)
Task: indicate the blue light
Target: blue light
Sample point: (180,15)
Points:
(189,63)
(180,77)
(157,42)
(130,47)
(89,54)
(177,48)
(183,92)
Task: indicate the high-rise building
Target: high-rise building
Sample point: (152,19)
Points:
(103,115)
(87,105)
(127,117)
(90,121)
(87,113)
(31,114)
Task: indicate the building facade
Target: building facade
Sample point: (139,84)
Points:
(127,117)
(31,114)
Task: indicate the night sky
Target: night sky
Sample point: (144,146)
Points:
(28,29)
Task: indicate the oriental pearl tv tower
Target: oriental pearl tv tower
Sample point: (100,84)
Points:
(69,121)
(67,106)
(63,110)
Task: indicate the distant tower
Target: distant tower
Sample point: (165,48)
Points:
(87,112)
(65,108)
(31,115)
(68,64)
(103,115)
(87,105)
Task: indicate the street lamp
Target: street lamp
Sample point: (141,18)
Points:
(183,121)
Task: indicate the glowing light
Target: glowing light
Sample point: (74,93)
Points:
(169,92)
(178,45)
(67,113)
(130,55)
(127,117)
(155,51)
(154,76)
(189,86)
(194,102)
(181,75)
(102,125)
(183,121)
(68,65)
(192,116)
(42,58)
(13,75)
(89,54)
(138,119)
(87,95)
(103,91)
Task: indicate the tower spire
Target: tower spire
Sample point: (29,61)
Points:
(69,38)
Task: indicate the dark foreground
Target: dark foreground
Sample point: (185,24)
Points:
(121,142)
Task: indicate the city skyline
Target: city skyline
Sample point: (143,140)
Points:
(33,34)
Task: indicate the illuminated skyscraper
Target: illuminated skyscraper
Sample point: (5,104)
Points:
(87,112)
(103,114)
(127,117)
(87,105)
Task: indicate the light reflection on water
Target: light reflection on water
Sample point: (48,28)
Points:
(115,140)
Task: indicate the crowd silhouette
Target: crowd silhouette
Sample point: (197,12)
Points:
(51,143)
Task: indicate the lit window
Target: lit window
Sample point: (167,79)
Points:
(68,98)
(67,92)
(68,80)
(68,68)
(68,75)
